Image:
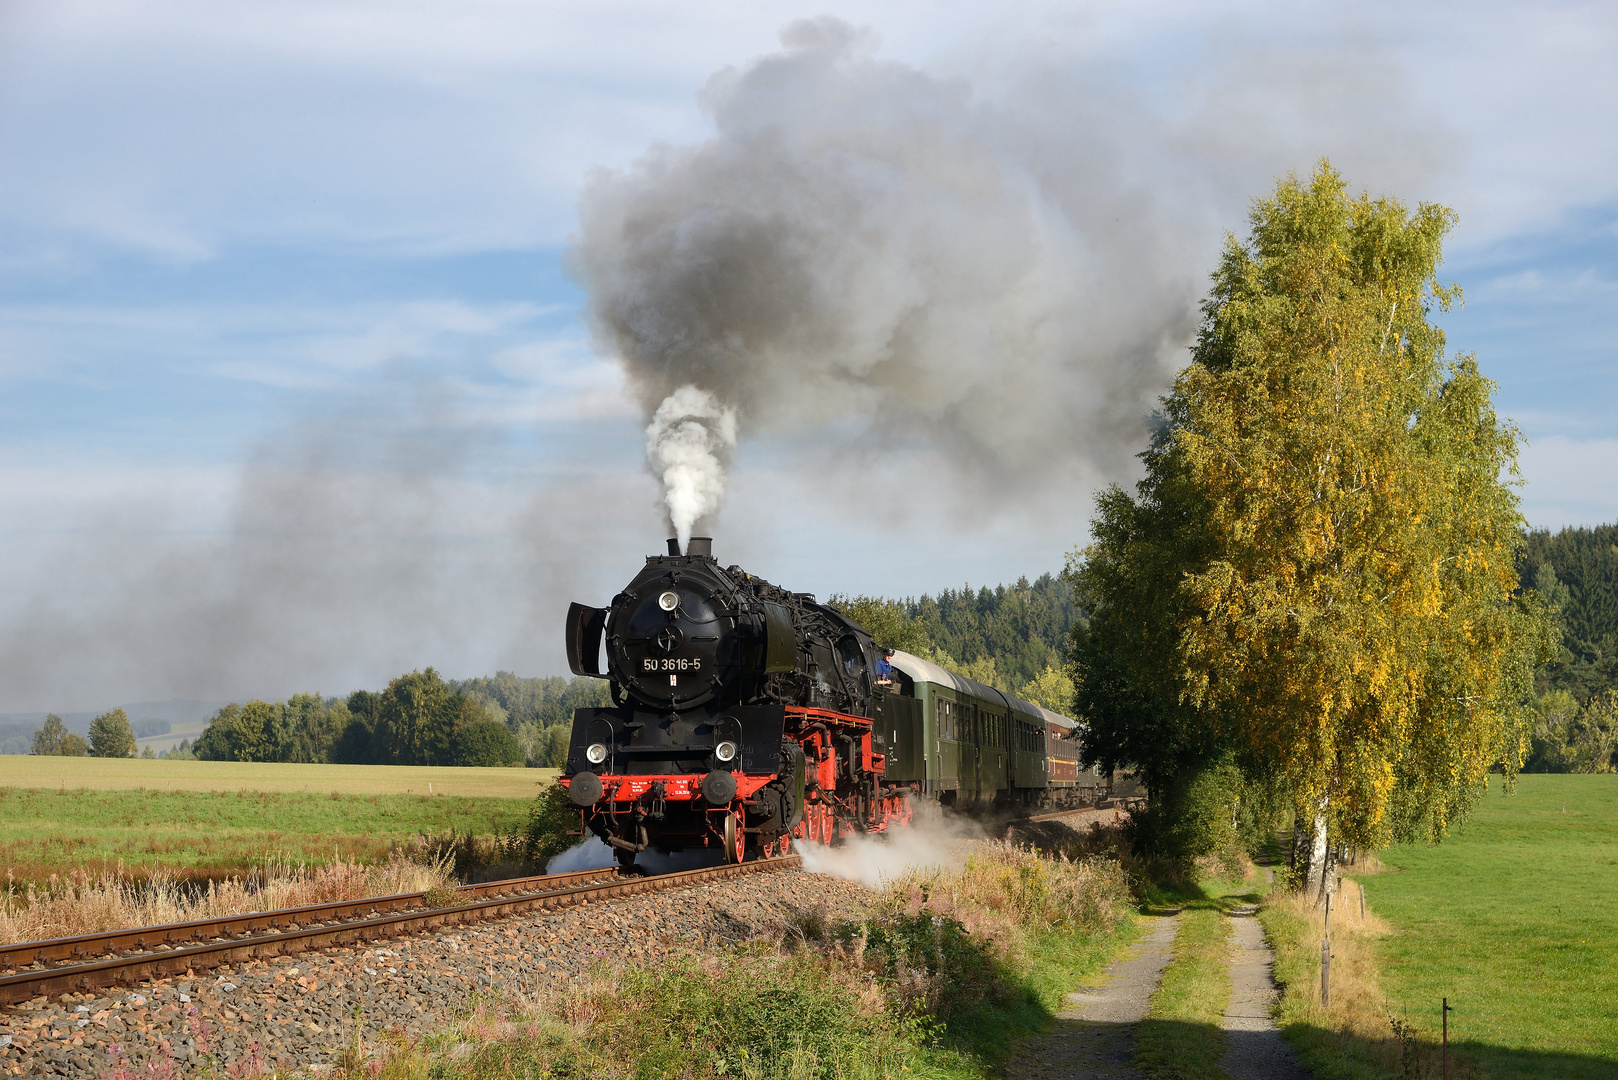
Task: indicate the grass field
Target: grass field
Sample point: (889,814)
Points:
(1516,922)
(204,818)
(113,774)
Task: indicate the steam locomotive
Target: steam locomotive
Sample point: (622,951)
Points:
(746,717)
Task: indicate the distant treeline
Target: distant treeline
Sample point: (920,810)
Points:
(418,719)
(20,738)
(1577,569)
(1012,637)
(1576,713)
(1022,628)
(111,736)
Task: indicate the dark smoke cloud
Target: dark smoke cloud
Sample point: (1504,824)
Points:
(998,273)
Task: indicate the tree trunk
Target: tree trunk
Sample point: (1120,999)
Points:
(1318,881)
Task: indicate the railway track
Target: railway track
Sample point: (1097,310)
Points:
(87,961)
(1061,814)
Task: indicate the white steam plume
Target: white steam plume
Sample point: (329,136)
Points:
(932,842)
(688,446)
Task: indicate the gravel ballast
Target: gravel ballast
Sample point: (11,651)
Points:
(302,1012)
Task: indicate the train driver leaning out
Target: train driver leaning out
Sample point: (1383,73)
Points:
(884,668)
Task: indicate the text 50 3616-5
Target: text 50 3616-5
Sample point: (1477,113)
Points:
(671,664)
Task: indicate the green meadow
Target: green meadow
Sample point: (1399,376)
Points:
(106,774)
(1515,920)
(202,818)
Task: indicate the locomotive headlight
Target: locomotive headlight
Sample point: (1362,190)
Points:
(596,753)
(669,601)
(725,750)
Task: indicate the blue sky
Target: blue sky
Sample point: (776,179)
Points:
(296,391)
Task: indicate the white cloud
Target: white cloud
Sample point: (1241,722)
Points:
(300,346)
(1570,481)
(464,126)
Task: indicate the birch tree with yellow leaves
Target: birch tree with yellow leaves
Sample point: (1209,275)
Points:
(1326,536)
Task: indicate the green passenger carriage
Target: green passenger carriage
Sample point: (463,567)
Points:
(969,745)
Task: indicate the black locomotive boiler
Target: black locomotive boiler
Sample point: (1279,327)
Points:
(744,716)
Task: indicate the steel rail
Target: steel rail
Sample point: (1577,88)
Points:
(182,961)
(23,954)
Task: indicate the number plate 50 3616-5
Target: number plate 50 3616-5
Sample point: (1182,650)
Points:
(671,664)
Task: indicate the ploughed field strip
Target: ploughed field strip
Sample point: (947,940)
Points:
(306,1011)
(66,965)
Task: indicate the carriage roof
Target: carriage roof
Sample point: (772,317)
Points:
(921,670)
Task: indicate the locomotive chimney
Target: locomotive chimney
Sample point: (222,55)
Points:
(700,546)
(674,546)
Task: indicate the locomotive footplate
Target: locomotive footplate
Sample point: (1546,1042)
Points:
(747,780)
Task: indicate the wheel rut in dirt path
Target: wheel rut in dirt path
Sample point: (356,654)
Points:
(1093,1035)
(1254,1049)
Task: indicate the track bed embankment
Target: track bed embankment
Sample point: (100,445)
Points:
(304,1011)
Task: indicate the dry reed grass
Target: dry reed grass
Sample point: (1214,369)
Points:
(1012,885)
(1356,1025)
(1356,992)
(85,903)
(1003,897)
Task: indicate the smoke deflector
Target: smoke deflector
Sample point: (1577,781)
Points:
(584,627)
